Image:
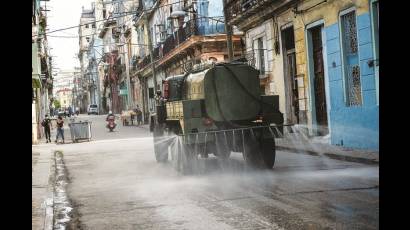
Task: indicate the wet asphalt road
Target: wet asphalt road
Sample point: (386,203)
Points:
(115,183)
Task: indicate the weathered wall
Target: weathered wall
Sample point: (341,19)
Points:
(354,126)
(263,31)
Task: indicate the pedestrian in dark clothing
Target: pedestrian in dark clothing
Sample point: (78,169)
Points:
(70,111)
(46,123)
(60,130)
(139,115)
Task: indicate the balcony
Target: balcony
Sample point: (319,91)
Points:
(144,62)
(187,30)
(257,58)
(240,11)
(191,28)
(108,22)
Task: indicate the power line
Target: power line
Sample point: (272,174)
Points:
(58,36)
(123,14)
(215,18)
(133,44)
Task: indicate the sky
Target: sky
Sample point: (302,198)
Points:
(63,14)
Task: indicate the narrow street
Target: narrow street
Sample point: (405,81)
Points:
(114,182)
(235,79)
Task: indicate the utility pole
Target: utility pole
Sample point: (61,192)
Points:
(151,53)
(127,67)
(127,74)
(228,30)
(98,88)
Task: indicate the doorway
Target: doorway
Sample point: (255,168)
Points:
(317,79)
(291,84)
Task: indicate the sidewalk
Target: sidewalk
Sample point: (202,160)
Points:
(320,146)
(41,188)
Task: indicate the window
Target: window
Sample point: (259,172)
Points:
(151,92)
(88,39)
(86,25)
(259,54)
(352,84)
(93,25)
(375,30)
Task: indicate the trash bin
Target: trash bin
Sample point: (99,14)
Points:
(80,130)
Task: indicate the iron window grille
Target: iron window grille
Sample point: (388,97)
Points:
(352,79)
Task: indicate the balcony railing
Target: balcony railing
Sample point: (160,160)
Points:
(169,45)
(188,29)
(257,59)
(144,62)
(236,8)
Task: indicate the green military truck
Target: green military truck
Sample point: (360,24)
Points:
(216,110)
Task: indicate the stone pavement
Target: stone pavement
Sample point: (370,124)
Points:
(41,191)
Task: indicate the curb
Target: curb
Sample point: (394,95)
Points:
(332,156)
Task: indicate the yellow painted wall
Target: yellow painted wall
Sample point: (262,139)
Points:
(65,99)
(329,12)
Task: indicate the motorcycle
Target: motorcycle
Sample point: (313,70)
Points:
(111,122)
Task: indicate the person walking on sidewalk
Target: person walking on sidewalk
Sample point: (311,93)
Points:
(60,130)
(46,123)
(139,115)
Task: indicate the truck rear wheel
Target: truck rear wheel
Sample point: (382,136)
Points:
(268,149)
(160,144)
(251,152)
(259,152)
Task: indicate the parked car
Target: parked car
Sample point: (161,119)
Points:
(61,112)
(92,109)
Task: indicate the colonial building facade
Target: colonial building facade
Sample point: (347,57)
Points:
(176,35)
(321,58)
(41,77)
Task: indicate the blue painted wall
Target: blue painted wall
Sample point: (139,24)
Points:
(358,126)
